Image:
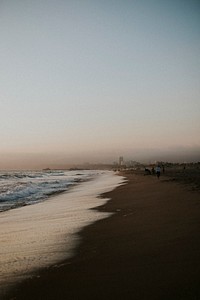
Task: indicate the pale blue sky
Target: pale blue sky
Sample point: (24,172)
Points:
(98,79)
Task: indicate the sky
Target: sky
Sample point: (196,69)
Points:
(92,80)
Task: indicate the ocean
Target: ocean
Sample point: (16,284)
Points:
(41,213)
(20,188)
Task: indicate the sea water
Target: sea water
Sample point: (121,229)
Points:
(20,188)
(42,229)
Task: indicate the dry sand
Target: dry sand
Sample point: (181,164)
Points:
(149,249)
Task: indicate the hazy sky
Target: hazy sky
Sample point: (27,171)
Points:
(95,79)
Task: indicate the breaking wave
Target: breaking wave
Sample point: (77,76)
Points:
(24,188)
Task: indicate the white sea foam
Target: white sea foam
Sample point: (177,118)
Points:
(21,188)
(41,235)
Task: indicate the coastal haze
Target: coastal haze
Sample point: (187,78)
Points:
(89,81)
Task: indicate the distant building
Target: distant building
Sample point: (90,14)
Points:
(121,161)
(132,164)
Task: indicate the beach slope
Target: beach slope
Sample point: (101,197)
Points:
(148,249)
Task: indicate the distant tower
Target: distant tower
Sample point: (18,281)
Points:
(121,160)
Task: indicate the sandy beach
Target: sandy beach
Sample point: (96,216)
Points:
(148,249)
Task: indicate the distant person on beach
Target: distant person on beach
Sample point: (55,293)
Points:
(153,171)
(158,169)
(147,172)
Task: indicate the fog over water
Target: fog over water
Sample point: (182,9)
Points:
(62,160)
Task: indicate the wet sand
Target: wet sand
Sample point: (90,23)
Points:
(148,249)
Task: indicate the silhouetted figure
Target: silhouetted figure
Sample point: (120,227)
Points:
(153,171)
(147,171)
(158,169)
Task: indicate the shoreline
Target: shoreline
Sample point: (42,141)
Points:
(148,249)
(38,236)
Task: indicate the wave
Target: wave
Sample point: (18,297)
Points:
(25,188)
(29,174)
